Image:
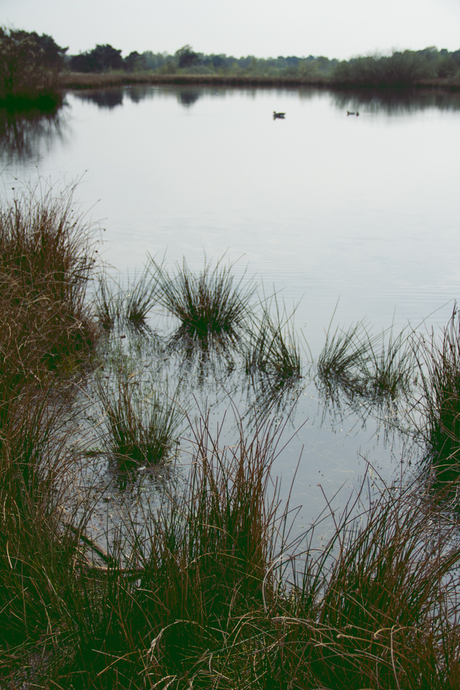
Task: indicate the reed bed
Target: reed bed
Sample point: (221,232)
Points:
(81,81)
(76,80)
(212,591)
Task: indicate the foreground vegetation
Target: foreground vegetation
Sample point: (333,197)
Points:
(207,587)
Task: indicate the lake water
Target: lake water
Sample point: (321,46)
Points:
(357,215)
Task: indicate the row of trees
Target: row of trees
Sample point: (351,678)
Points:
(401,68)
(104,58)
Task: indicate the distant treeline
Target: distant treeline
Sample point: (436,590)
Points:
(104,58)
(402,68)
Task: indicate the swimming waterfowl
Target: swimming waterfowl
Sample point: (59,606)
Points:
(275,115)
(349,113)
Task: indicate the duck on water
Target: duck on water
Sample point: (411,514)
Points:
(278,115)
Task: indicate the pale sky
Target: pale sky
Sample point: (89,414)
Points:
(264,28)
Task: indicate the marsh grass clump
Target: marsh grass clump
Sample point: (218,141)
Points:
(213,584)
(389,371)
(210,304)
(125,303)
(378,606)
(46,257)
(439,367)
(142,423)
(141,294)
(108,301)
(371,369)
(273,349)
(341,360)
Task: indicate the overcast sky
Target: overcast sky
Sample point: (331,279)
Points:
(334,28)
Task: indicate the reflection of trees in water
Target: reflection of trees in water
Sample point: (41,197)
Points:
(138,93)
(103,98)
(23,134)
(396,101)
(189,96)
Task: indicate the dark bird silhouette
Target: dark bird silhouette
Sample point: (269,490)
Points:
(349,113)
(280,115)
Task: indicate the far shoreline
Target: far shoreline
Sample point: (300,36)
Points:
(79,80)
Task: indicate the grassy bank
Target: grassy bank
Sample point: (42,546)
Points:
(75,80)
(205,588)
(71,80)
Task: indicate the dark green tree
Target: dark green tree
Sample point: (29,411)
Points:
(134,62)
(186,57)
(102,58)
(29,64)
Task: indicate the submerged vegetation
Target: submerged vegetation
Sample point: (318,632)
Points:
(207,583)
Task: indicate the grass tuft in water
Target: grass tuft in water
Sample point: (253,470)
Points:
(209,304)
(142,423)
(389,371)
(125,303)
(273,349)
(342,358)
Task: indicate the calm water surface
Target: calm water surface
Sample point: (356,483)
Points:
(359,213)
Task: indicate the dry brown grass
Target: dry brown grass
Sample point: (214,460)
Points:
(76,80)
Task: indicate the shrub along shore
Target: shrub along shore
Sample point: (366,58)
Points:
(207,590)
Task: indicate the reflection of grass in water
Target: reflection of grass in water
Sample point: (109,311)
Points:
(208,304)
(142,423)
